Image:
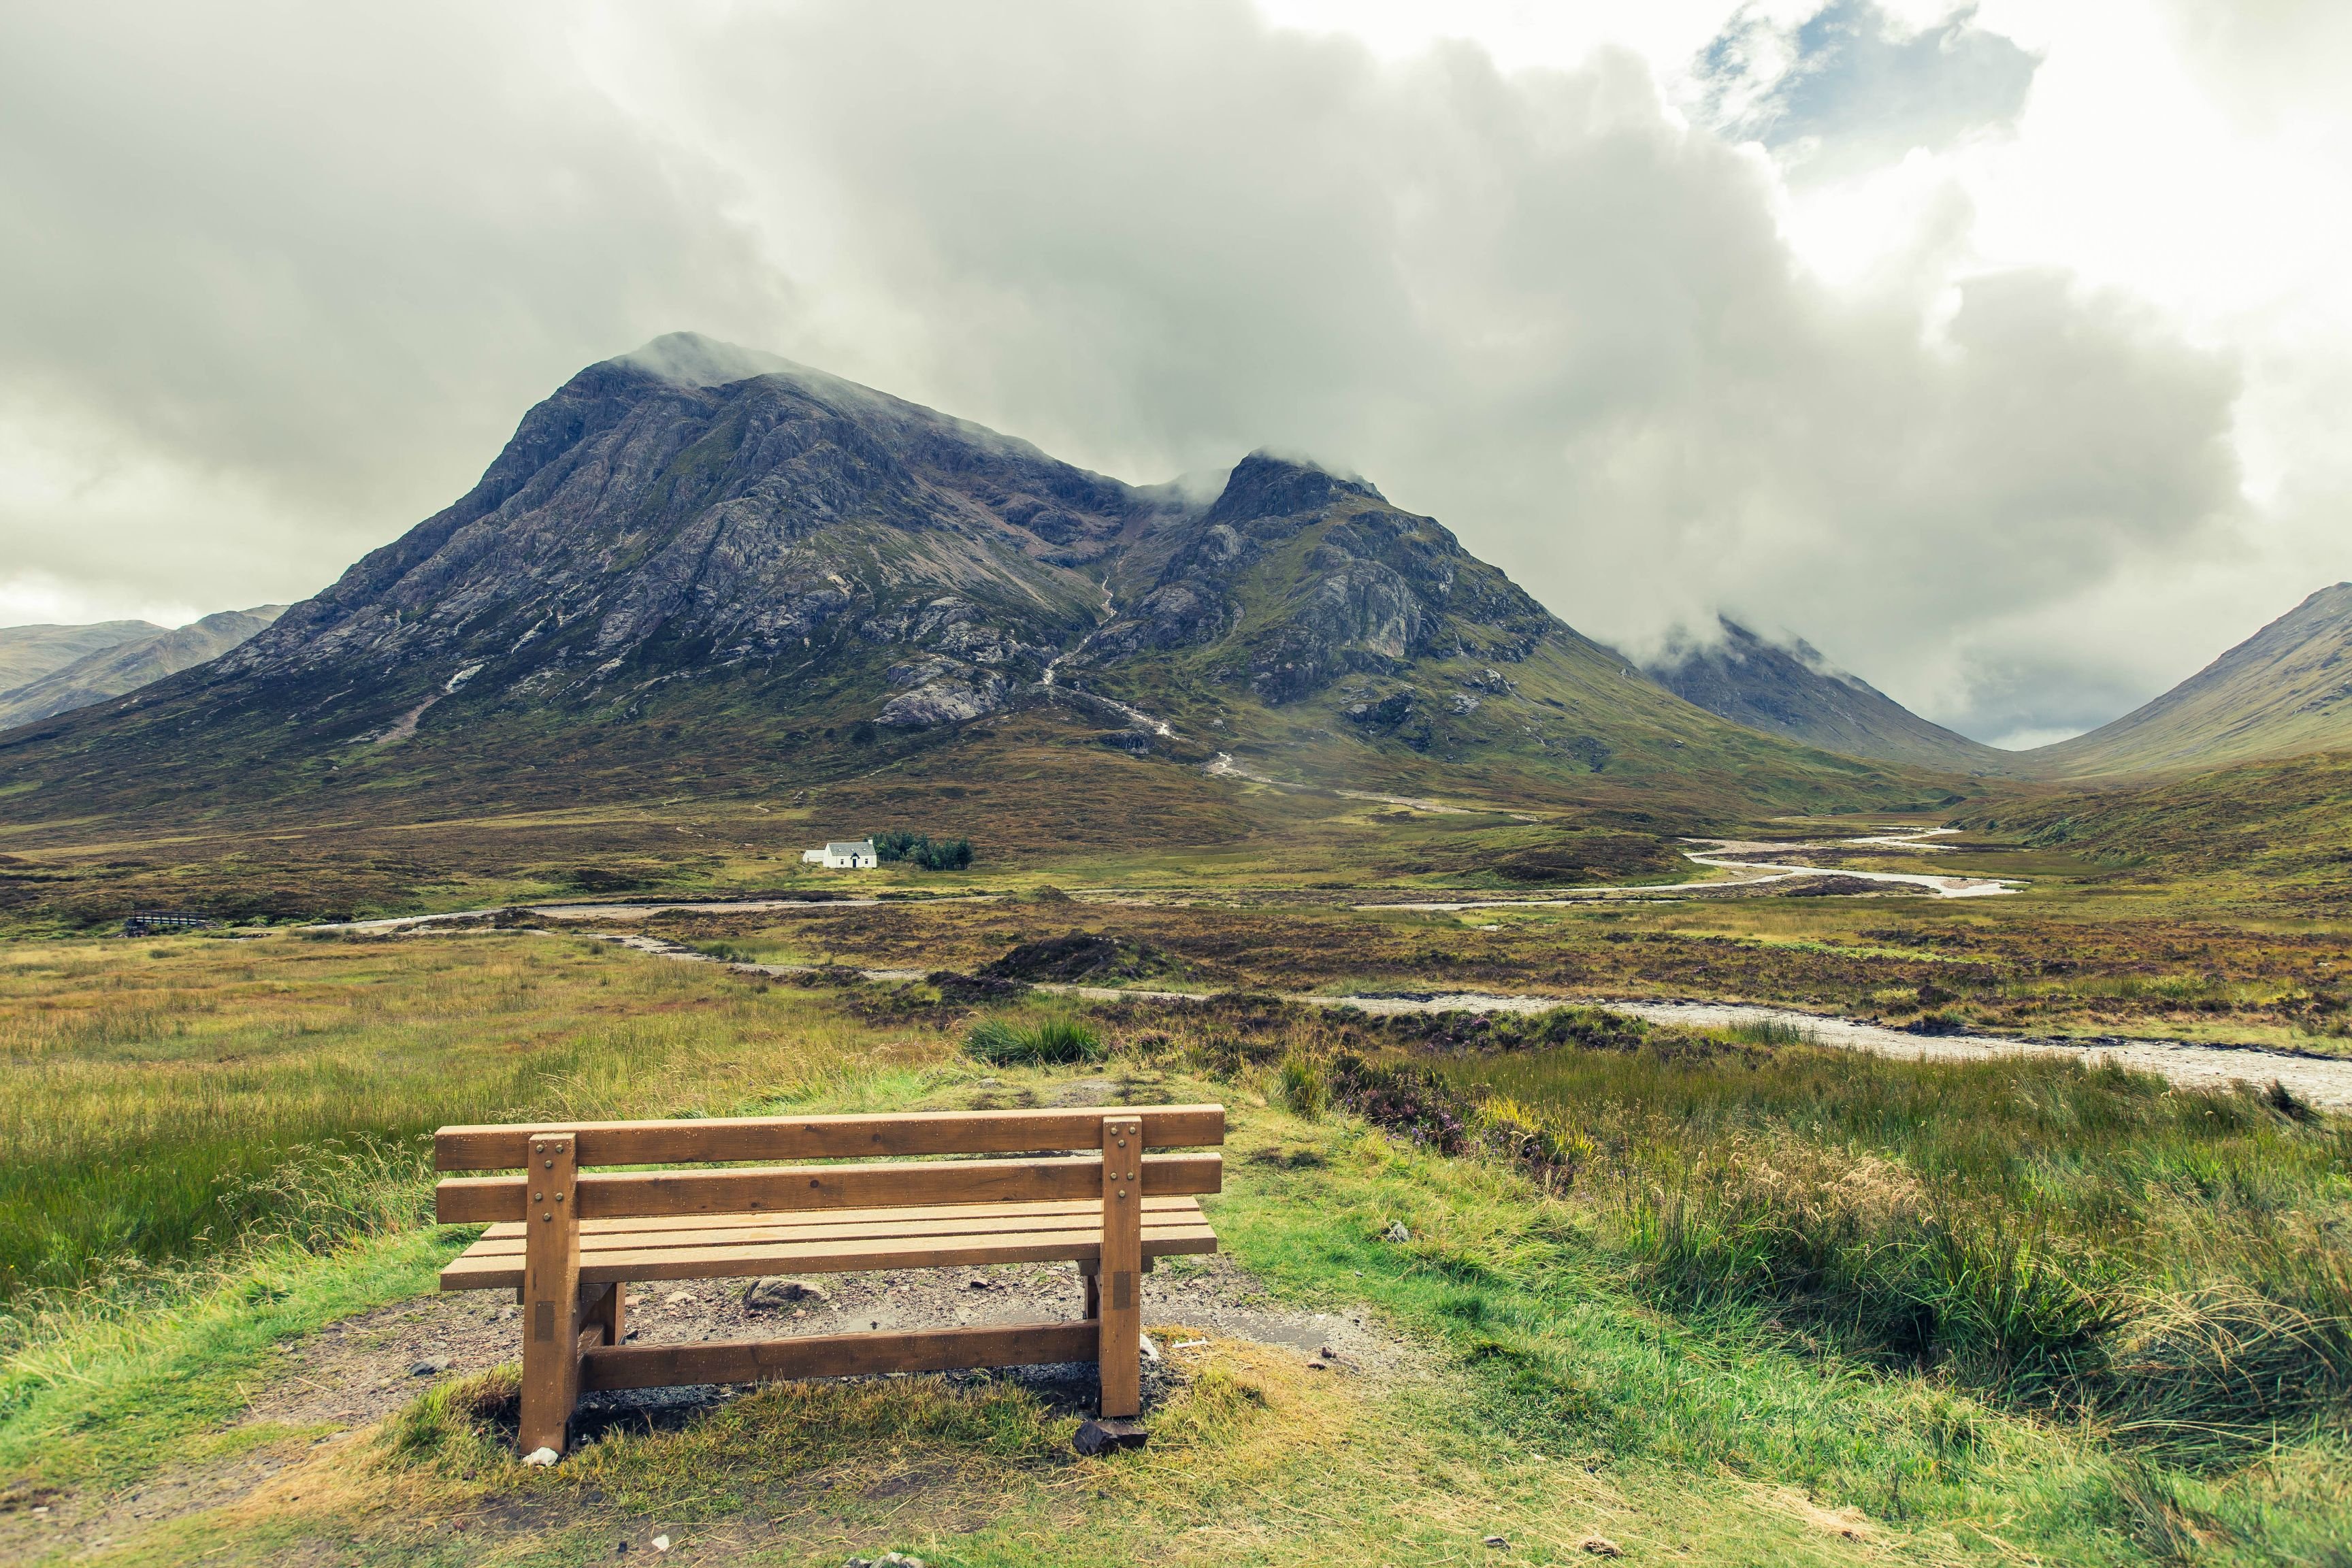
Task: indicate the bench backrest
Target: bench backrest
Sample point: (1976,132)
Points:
(1037,1176)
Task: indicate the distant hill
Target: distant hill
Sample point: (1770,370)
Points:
(1794,691)
(699,572)
(2264,832)
(112,669)
(29,653)
(2285,690)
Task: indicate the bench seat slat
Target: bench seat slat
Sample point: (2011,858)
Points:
(779,1139)
(648,1225)
(846,1256)
(478,1199)
(771,1229)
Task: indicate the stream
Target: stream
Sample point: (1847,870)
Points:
(1736,855)
(2322,1081)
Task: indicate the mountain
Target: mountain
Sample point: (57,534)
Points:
(2284,690)
(110,670)
(1794,691)
(29,653)
(700,574)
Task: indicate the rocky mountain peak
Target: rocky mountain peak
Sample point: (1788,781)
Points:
(1264,485)
(712,566)
(694,506)
(1297,576)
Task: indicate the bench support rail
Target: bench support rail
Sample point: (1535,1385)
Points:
(837,1355)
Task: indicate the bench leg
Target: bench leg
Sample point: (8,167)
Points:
(605,1308)
(1093,1283)
(551,1319)
(1119,1351)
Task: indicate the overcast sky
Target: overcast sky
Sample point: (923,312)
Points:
(2004,353)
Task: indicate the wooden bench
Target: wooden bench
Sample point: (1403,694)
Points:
(569,1242)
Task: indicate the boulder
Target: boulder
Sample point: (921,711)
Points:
(1101,1434)
(776,1291)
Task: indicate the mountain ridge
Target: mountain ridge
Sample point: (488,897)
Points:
(126,666)
(674,576)
(2284,691)
(29,652)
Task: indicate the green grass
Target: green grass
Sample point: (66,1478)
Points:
(1550,1402)
(2256,838)
(98,1391)
(1006,1042)
(1654,1296)
(165,1101)
(2170,1260)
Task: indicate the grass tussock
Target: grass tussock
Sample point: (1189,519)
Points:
(463,1428)
(1302,1088)
(1042,1042)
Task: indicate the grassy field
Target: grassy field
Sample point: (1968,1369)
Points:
(1717,1298)
(2266,835)
(166,1098)
(2166,1261)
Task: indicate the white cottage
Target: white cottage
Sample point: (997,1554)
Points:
(857,855)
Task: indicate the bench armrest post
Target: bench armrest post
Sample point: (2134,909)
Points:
(1119,1356)
(551,1319)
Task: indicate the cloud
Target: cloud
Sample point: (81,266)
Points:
(1849,87)
(312,265)
(281,278)
(2268,59)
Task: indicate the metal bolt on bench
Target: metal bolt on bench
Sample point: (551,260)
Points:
(569,1243)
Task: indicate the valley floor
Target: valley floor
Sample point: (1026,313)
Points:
(220,1277)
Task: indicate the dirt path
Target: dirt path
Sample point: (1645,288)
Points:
(1222,767)
(628,911)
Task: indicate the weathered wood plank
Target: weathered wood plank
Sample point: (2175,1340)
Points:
(835,1355)
(849,1257)
(1119,1322)
(1088,1209)
(467,1200)
(550,1290)
(881,1226)
(605,1309)
(776,1139)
